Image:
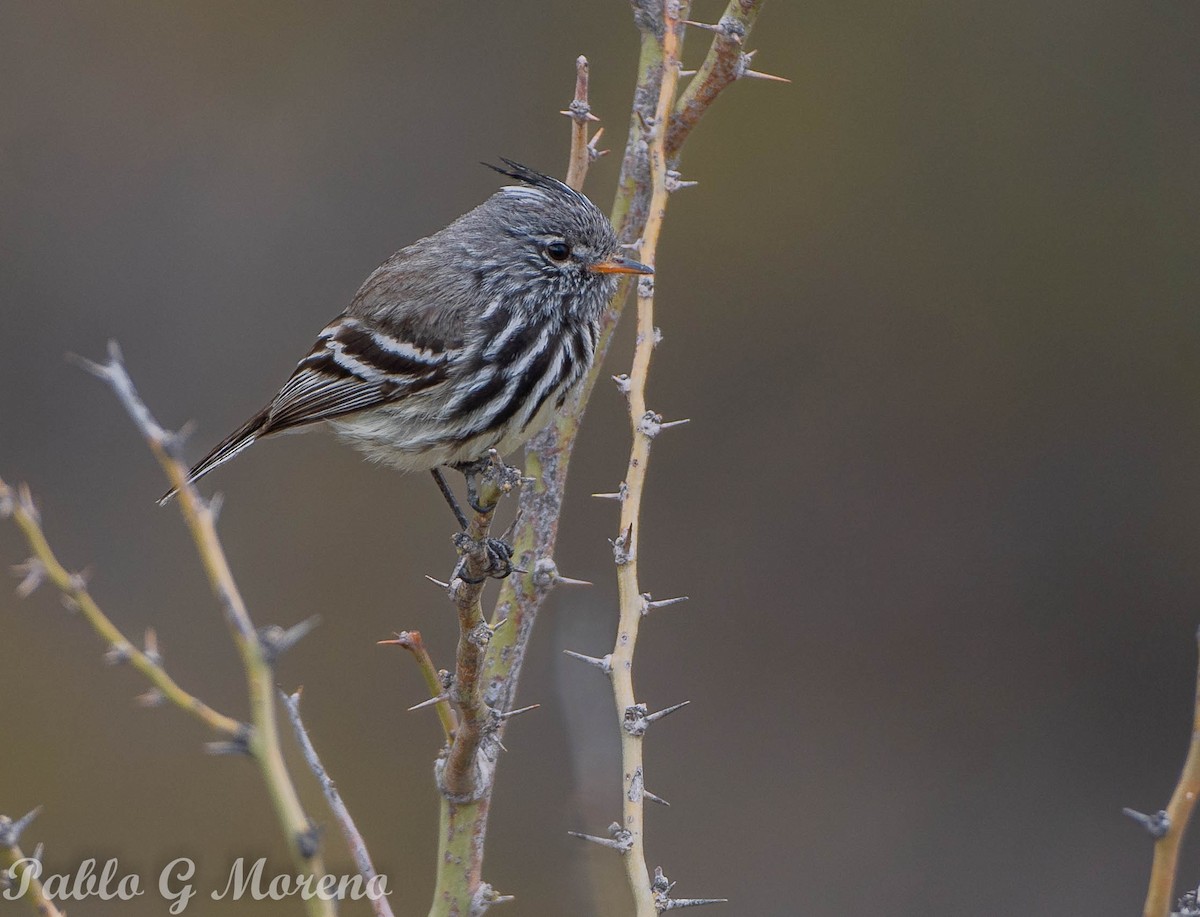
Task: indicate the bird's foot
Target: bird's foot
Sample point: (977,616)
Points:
(491,558)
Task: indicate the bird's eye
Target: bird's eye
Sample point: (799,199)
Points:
(558,251)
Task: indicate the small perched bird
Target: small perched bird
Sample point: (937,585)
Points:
(463,342)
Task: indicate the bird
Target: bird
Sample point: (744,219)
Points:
(464,342)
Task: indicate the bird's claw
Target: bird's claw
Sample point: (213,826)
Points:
(498,556)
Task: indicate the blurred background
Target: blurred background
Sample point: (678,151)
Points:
(931,309)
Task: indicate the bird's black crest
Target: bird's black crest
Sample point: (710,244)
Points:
(532,177)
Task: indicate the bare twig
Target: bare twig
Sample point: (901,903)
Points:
(1172,823)
(632,604)
(354,839)
(16,865)
(466,771)
(262,741)
(121,648)
(725,63)
(411,641)
(580,113)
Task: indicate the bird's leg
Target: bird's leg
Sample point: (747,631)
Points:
(497,551)
(450,498)
(469,471)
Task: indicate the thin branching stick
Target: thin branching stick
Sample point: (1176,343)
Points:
(411,641)
(44,565)
(351,834)
(645,426)
(724,64)
(583,150)
(258,652)
(466,768)
(17,869)
(1168,827)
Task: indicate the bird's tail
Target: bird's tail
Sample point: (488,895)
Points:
(222,452)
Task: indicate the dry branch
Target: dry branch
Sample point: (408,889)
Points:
(258,651)
(351,834)
(1168,827)
(14,863)
(44,565)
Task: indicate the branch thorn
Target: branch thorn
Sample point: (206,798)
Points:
(10,831)
(1156,825)
(603,663)
(429,703)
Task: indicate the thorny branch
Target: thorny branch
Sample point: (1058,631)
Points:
(649,900)
(725,63)
(15,863)
(1168,827)
(411,641)
(548,454)
(44,565)
(583,150)
(351,834)
(466,769)
(258,650)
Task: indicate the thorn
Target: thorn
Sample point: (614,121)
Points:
(437,582)
(633,246)
(687,73)
(118,653)
(618,495)
(636,720)
(10,831)
(666,711)
(593,152)
(215,504)
(517,712)
(151,698)
(603,663)
(756,75)
(485,897)
(650,424)
(429,703)
(151,646)
(702,25)
(409,639)
(579,113)
(38,852)
(571,581)
(236,746)
(1157,825)
(661,887)
(621,840)
(672,903)
(32,573)
(648,605)
(621,493)
(275,641)
(674,423)
(672,182)
(653,798)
